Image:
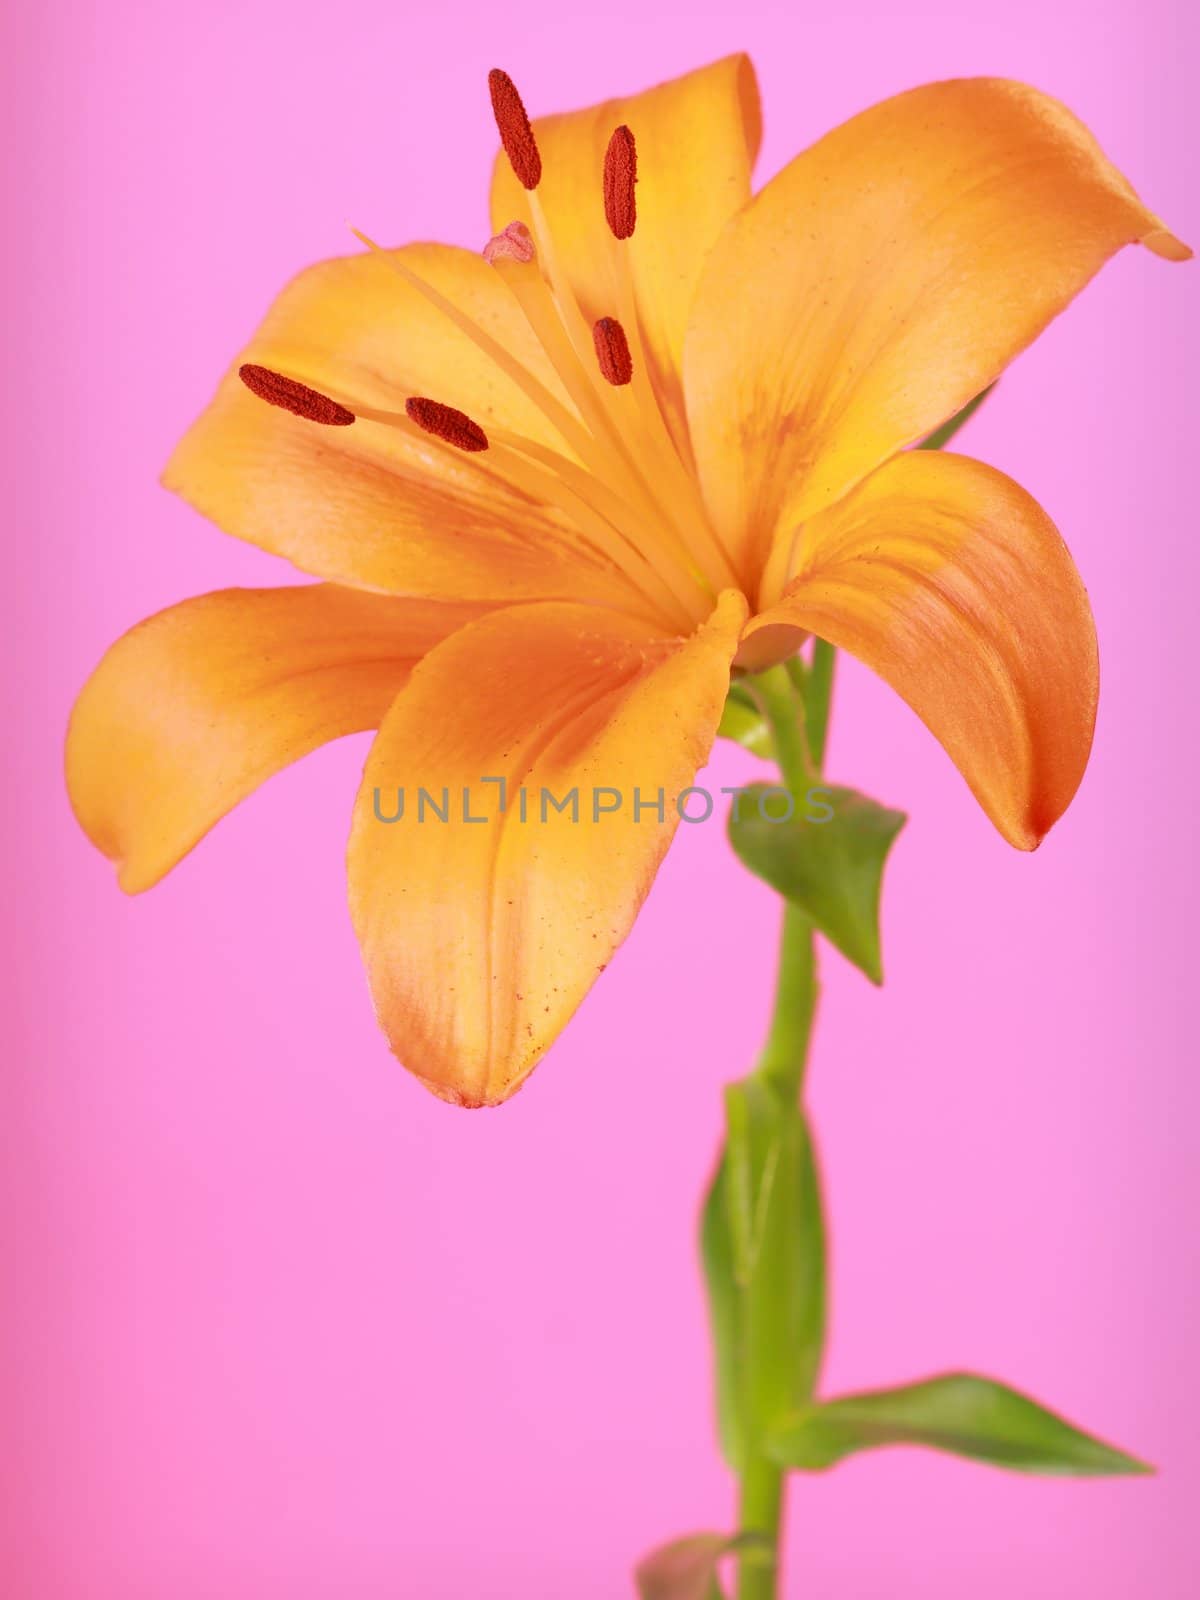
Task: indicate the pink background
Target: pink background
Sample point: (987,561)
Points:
(282,1327)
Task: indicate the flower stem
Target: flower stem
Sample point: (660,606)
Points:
(785,1054)
(783,707)
(789,710)
(795,713)
(759,1512)
(820,690)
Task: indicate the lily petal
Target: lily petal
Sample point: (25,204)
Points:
(884,278)
(949,581)
(195,707)
(697,139)
(482,937)
(376,506)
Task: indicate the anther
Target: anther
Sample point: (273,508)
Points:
(620,175)
(455,427)
(612,351)
(516,135)
(514,243)
(295,397)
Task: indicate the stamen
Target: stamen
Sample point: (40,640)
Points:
(612,351)
(514,243)
(455,427)
(620,175)
(633,509)
(295,397)
(651,454)
(562,419)
(516,135)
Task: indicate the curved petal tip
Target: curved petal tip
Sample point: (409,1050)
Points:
(1162,242)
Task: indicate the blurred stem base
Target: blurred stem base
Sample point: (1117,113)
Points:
(759,1512)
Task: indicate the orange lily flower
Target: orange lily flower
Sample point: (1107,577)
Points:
(558,491)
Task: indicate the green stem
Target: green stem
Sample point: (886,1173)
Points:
(820,688)
(794,701)
(798,716)
(785,1053)
(759,1512)
(783,707)
(789,711)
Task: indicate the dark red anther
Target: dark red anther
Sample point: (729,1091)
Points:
(295,397)
(612,351)
(455,427)
(516,135)
(620,175)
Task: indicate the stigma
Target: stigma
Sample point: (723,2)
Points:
(514,243)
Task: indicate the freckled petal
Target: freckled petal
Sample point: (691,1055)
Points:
(195,707)
(373,506)
(882,279)
(697,138)
(949,581)
(481,939)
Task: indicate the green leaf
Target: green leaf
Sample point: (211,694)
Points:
(959,1413)
(762,1239)
(827,858)
(725,1316)
(941,437)
(744,723)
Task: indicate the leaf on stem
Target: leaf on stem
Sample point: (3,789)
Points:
(959,1413)
(762,1239)
(827,857)
(725,1316)
(743,722)
(941,437)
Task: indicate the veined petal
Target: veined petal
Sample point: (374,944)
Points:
(380,507)
(949,581)
(195,707)
(881,280)
(482,937)
(697,139)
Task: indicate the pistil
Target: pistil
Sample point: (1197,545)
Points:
(629,490)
